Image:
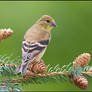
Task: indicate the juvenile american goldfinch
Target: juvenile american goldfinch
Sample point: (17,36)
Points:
(35,42)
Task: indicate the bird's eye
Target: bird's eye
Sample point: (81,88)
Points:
(47,21)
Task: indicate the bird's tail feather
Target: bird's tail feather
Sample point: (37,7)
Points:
(18,69)
(22,68)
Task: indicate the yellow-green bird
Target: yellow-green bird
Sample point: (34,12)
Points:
(35,42)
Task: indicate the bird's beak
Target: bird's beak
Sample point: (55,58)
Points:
(53,24)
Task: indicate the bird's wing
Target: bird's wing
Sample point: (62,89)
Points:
(32,49)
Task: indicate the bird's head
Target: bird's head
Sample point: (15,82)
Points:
(46,22)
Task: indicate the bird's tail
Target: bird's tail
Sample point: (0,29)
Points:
(18,69)
(22,68)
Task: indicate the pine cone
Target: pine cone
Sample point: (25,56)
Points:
(82,60)
(30,73)
(38,67)
(5,33)
(80,81)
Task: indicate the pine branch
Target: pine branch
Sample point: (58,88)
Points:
(75,72)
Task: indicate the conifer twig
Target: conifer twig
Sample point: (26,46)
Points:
(40,75)
(75,73)
(45,75)
(87,73)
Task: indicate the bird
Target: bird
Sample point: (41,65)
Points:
(35,42)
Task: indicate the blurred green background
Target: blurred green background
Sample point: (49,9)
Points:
(71,37)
